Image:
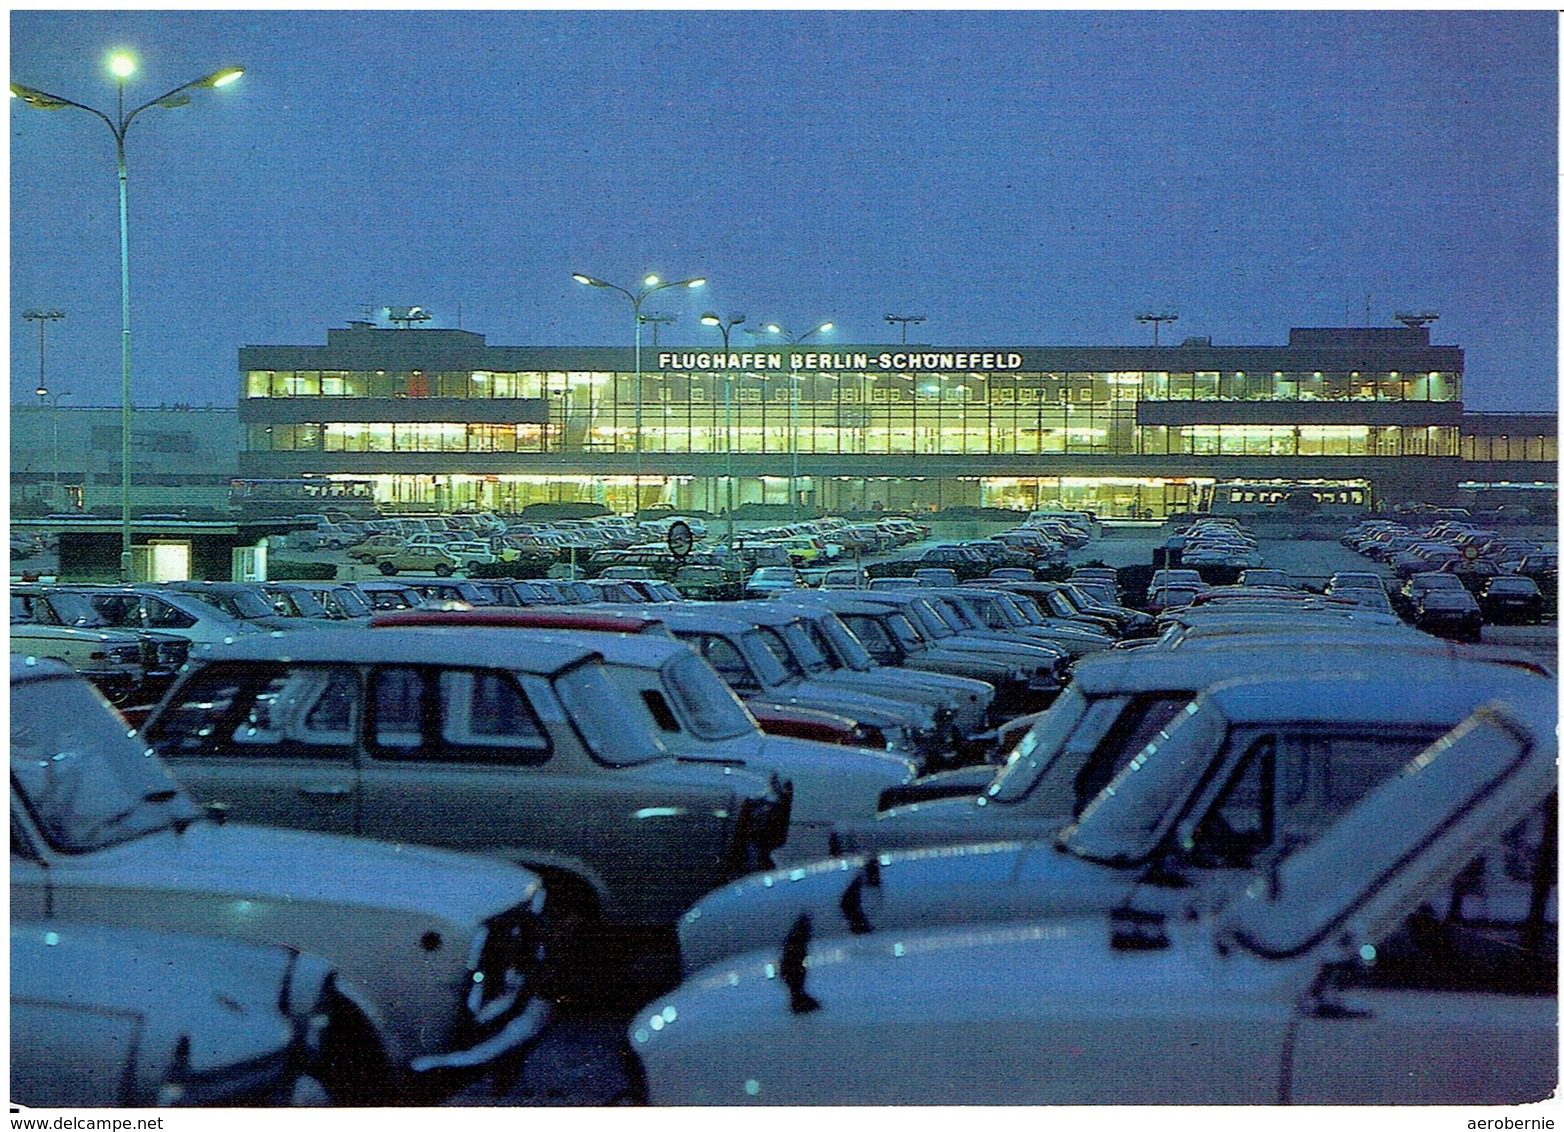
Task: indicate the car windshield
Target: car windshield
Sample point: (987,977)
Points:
(244,604)
(594,703)
(352,604)
(709,707)
(928,620)
(843,644)
(811,654)
(1126,821)
(955,614)
(1031,757)
(303,601)
(1024,608)
(874,637)
(767,643)
(87,783)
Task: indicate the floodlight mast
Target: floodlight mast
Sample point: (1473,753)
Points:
(1156,321)
(904,319)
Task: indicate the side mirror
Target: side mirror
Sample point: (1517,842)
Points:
(218,812)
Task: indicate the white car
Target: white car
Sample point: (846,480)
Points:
(436,952)
(1407,956)
(1229,780)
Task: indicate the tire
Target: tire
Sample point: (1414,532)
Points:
(388,568)
(335,544)
(443,569)
(351,1065)
(473,565)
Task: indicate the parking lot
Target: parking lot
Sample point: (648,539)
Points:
(588,1056)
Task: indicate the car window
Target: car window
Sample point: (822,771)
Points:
(161,615)
(454,715)
(204,711)
(1132,729)
(1493,928)
(304,711)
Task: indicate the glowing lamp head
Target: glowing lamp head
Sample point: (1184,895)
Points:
(710,319)
(651,281)
(122,64)
(225,76)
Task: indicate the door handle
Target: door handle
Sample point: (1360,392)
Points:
(333,791)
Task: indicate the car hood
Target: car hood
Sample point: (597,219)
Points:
(964,819)
(260,863)
(903,891)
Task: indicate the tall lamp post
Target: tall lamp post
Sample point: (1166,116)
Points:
(649,286)
(793,340)
(123,65)
(53,401)
(711,318)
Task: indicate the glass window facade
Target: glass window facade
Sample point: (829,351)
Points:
(793,422)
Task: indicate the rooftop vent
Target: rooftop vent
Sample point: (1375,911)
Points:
(1202,340)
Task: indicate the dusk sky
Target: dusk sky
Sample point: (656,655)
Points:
(1018,178)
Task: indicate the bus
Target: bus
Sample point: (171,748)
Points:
(263,498)
(1345,498)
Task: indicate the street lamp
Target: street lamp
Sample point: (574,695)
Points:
(53,401)
(649,286)
(794,340)
(123,65)
(711,318)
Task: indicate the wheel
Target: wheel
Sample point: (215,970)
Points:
(388,568)
(335,544)
(443,569)
(473,565)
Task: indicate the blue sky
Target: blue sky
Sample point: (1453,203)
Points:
(1018,178)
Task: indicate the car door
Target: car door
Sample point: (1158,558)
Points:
(269,743)
(1460,1006)
(468,758)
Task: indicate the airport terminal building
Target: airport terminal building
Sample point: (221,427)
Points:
(429,418)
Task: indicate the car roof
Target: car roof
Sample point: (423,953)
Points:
(1371,698)
(436,645)
(509,617)
(1156,669)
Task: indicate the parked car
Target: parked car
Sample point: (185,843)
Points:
(245,601)
(1512,599)
(162,653)
(1059,759)
(1406,956)
(112,660)
(666,690)
(101,834)
(166,611)
(1449,613)
(110,1018)
(758,664)
(1231,777)
(769,580)
(478,740)
(424,558)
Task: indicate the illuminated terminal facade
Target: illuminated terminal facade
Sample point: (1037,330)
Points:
(440,419)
